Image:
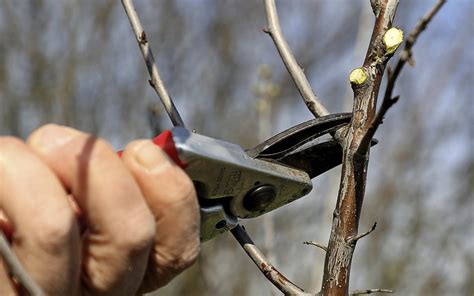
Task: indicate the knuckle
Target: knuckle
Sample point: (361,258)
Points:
(175,261)
(138,233)
(54,229)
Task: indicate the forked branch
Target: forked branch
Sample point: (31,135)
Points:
(405,56)
(365,83)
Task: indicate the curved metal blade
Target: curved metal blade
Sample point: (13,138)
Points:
(292,138)
(316,159)
(288,147)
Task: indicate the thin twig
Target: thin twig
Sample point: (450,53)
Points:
(353,240)
(405,56)
(15,268)
(296,73)
(155,80)
(369,291)
(406,53)
(268,270)
(313,243)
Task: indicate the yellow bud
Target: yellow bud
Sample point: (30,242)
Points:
(392,39)
(357,76)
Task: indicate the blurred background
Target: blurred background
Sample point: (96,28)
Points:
(77,63)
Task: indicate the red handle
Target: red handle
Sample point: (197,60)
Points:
(165,141)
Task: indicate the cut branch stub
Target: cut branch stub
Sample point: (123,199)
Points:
(357,76)
(392,39)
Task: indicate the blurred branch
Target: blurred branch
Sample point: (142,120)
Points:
(405,56)
(365,82)
(313,243)
(268,270)
(155,80)
(369,291)
(311,100)
(15,269)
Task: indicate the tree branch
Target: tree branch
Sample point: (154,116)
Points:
(270,272)
(302,84)
(369,291)
(155,81)
(405,56)
(353,240)
(365,83)
(318,245)
(15,268)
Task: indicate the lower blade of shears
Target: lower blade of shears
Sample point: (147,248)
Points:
(316,159)
(298,135)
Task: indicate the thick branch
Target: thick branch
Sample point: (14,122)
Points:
(405,56)
(15,269)
(270,272)
(155,80)
(365,83)
(296,73)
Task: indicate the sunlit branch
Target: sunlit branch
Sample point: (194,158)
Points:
(405,56)
(155,80)
(268,270)
(318,245)
(296,73)
(354,239)
(365,83)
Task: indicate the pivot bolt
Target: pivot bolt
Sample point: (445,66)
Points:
(259,198)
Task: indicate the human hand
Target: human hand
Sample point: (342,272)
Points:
(85,221)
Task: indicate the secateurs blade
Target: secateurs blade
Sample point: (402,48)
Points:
(233,183)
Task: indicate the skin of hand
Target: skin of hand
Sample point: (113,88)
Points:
(85,221)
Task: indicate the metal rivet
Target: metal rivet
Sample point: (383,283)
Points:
(258,199)
(221,224)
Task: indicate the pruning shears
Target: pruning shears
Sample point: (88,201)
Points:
(233,183)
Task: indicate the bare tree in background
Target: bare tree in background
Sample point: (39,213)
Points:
(39,89)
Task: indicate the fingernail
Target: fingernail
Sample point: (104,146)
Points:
(150,156)
(51,135)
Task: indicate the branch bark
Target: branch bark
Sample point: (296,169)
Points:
(155,80)
(318,245)
(354,166)
(269,271)
(302,84)
(405,56)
